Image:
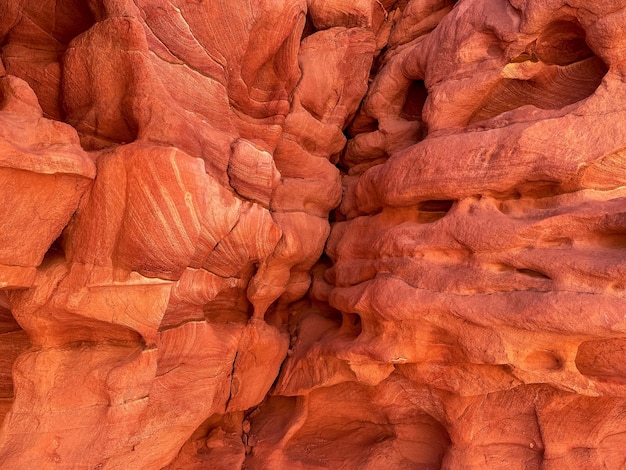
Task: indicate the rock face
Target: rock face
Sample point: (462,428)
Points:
(312,234)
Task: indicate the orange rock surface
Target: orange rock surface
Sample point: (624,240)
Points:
(312,234)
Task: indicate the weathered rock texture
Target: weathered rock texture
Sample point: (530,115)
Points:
(312,234)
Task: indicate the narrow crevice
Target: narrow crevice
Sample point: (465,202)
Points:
(230,386)
(309,27)
(533,273)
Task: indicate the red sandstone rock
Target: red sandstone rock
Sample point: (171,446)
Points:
(179,288)
(43,174)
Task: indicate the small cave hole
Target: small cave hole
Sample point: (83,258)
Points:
(537,189)
(433,210)
(414,103)
(57,248)
(543,360)
(351,324)
(533,273)
(609,240)
(443,205)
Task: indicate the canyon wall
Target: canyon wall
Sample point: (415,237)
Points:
(309,234)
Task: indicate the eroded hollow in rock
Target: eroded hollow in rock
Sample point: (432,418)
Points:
(416,97)
(416,440)
(556,70)
(543,360)
(562,42)
(433,210)
(603,360)
(351,324)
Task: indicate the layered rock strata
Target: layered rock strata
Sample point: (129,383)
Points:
(312,234)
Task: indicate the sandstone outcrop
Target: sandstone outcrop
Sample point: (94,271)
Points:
(312,234)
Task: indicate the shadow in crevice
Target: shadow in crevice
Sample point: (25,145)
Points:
(351,324)
(433,210)
(34,49)
(414,103)
(309,28)
(13,342)
(532,273)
